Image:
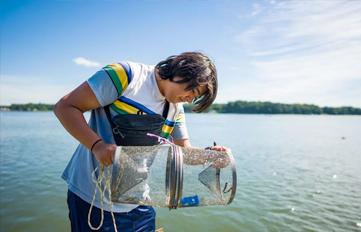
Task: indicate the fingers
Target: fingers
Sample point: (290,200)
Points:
(219,148)
(109,159)
(104,153)
(108,162)
(111,154)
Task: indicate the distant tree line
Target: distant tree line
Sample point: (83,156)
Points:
(236,107)
(28,107)
(255,107)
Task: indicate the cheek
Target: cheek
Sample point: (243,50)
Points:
(172,91)
(169,94)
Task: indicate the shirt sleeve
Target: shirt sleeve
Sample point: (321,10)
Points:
(180,130)
(109,83)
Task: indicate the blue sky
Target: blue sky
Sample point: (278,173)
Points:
(281,51)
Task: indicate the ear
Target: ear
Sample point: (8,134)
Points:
(165,71)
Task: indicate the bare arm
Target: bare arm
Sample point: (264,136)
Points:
(69,110)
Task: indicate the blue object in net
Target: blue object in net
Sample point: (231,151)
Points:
(190,201)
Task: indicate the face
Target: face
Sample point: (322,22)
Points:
(175,92)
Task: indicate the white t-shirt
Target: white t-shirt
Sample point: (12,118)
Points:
(129,88)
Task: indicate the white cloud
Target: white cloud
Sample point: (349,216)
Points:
(85,62)
(305,51)
(256,9)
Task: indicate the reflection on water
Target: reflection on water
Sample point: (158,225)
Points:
(295,173)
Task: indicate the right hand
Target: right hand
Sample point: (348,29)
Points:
(104,153)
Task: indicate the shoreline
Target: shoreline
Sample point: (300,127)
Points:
(235,107)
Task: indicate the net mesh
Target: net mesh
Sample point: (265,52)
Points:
(130,173)
(209,177)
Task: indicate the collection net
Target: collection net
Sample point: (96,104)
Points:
(138,176)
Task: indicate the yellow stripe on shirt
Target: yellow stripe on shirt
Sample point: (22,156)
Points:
(122,75)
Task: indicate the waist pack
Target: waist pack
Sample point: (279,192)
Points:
(132,129)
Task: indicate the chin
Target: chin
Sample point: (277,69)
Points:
(175,101)
(172,100)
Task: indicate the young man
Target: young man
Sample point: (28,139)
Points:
(123,90)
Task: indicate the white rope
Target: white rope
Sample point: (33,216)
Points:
(104,175)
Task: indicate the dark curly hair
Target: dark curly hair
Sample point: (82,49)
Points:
(193,68)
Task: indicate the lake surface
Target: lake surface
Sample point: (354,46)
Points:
(295,173)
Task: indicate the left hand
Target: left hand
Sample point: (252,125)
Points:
(220,148)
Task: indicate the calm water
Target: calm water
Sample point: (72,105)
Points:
(295,173)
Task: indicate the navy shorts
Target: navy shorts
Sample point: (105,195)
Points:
(140,219)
